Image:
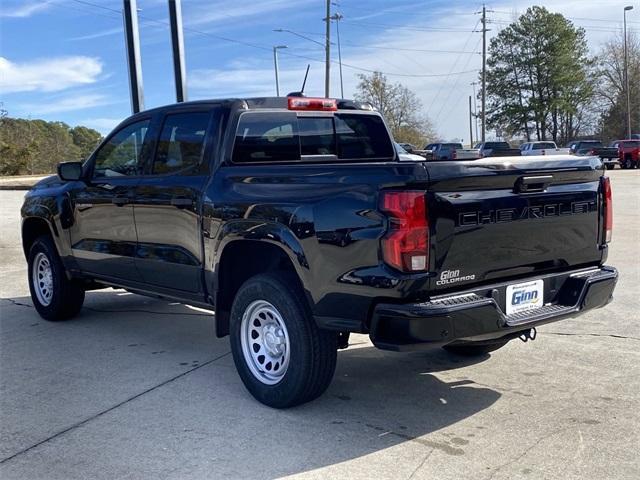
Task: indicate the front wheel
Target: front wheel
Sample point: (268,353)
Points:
(54,296)
(610,166)
(281,355)
(470,350)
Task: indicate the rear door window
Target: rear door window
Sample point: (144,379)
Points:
(287,136)
(181,142)
(264,137)
(362,136)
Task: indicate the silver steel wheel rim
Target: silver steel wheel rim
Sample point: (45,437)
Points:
(265,342)
(43,279)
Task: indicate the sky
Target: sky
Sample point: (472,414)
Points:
(65,59)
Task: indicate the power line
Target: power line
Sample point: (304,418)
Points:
(422,50)
(588,19)
(452,67)
(394,11)
(453,88)
(268,48)
(374,47)
(405,27)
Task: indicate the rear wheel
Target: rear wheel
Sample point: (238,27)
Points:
(470,350)
(54,296)
(628,163)
(281,355)
(610,166)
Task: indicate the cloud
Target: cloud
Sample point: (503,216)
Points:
(68,103)
(244,81)
(48,75)
(22,10)
(222,11)
(103,125)
(103,33)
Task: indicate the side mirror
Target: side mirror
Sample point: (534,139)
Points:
(70,171)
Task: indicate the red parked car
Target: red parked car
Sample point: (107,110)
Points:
(628,152)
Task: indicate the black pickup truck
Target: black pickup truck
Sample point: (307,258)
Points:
(497,149)
(295,221)
(609,155)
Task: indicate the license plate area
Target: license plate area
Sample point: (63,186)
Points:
(522,297)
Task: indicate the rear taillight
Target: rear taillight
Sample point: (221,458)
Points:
(406,244)
(608,209)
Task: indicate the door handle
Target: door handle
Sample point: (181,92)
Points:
(533,184)
(181,202)
(120,201)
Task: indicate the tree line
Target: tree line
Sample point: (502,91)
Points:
(543,84)
(35,146)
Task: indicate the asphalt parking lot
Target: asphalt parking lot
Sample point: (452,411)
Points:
(141,388)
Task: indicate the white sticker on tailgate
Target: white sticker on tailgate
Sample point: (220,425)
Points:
(525,296)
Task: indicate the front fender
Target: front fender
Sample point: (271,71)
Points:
(53,209)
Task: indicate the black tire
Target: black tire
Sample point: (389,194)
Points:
(67,296)
(313,352)
(610,166)
(470,350)
(628,164)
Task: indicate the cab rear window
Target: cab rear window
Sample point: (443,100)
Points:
(287,136)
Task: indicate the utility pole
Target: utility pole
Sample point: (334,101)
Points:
(470,124)
(626,72)
(484,69)
(177,44)
(327,47)
(275,66)
(337,17)
(132,40)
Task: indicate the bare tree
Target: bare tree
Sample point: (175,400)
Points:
(611,87)
(400,107)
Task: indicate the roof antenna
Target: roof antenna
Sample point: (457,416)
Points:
(304,82)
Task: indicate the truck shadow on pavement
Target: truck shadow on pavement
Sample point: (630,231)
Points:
(157,395)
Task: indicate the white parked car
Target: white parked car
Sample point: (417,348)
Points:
(542,148)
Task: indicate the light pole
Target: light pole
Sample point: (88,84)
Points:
(626,72)
(337,17)
(275,66)
(327,51)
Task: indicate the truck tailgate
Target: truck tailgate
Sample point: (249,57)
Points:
(511,217)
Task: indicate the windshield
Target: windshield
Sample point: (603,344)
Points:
(497,145)
(543,145)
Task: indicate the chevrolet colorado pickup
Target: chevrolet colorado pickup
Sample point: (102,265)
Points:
(294,220)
